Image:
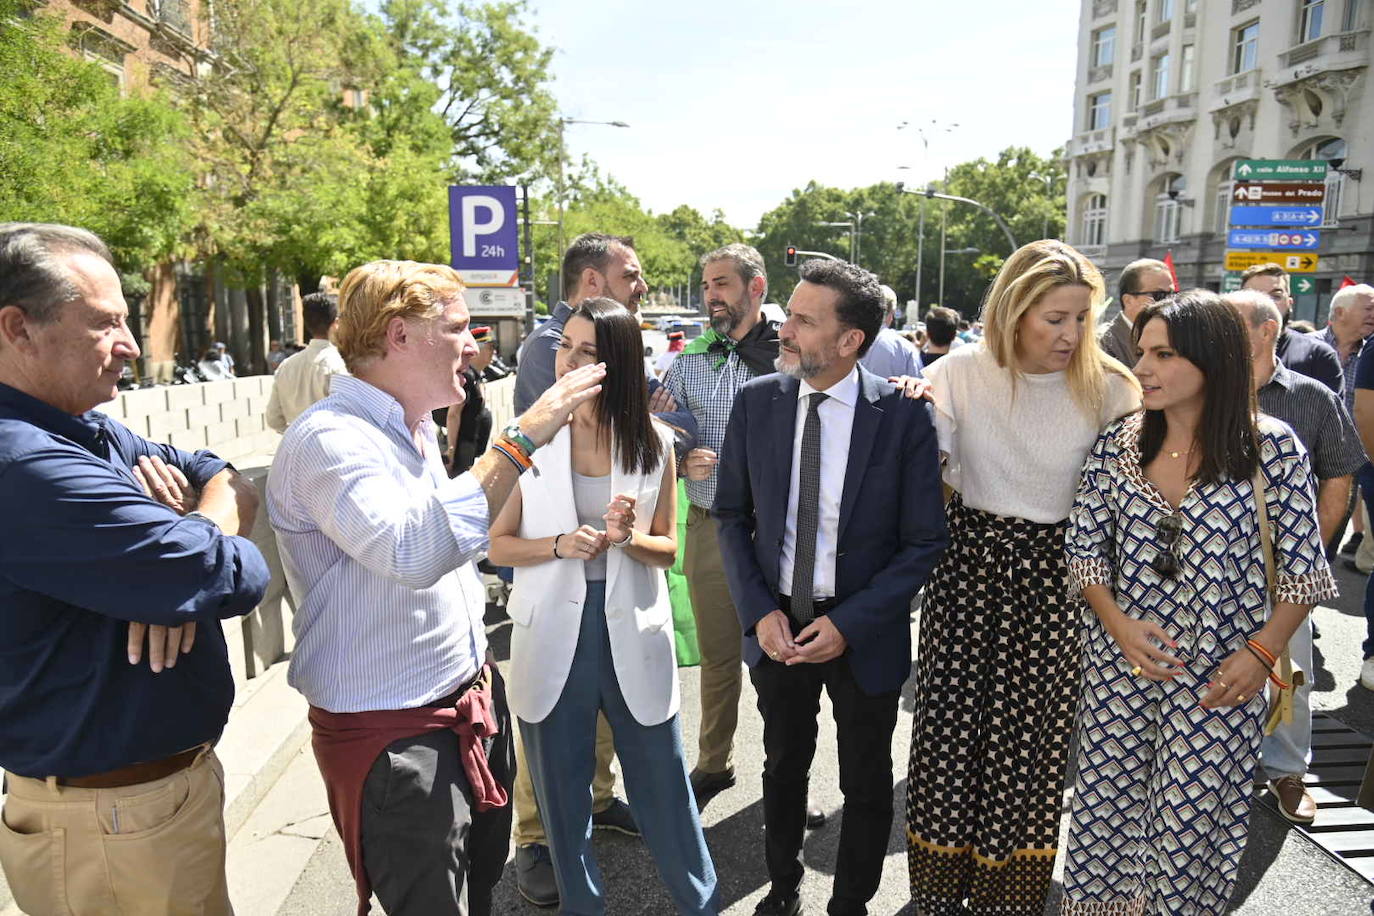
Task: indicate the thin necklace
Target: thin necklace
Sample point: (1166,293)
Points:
(1187,454)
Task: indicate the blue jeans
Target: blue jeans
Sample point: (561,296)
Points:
(561,753)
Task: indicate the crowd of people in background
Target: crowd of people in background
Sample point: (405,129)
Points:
(1114,539)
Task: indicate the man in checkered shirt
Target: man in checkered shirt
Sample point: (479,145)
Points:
(704,379)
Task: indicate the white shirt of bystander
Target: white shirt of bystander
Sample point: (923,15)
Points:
(301,380)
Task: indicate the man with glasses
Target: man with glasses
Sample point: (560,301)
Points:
(1141,283)
(1300,352)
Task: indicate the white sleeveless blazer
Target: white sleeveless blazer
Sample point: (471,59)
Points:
(546,601)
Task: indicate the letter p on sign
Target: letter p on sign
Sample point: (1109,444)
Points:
(482,215)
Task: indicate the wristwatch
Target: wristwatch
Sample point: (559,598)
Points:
(513,433)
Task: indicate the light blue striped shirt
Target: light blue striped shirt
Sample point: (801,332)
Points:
(378,546)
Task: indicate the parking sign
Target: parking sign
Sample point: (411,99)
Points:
(484,240)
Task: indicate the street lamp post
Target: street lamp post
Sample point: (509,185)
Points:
(563,154)
(846,223)
(856,235)
(1049,192)
(924,132)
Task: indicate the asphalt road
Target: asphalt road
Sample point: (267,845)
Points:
(1282,873)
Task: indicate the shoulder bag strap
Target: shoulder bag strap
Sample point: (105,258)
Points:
(1280,701)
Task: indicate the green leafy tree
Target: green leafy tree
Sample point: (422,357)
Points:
(72,150)
(490,75)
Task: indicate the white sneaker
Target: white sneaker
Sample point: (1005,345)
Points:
(1367,674)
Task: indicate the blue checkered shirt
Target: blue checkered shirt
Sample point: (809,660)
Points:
(708,393)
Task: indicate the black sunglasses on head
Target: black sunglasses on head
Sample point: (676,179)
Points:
(1167,532)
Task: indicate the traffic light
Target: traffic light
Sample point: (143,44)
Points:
(790,259)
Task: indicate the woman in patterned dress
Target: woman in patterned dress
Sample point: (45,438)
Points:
(1165,545)
(997,671)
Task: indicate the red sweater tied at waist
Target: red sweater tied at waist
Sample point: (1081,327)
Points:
(347,744)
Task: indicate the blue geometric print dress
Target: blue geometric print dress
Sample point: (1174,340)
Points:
(1163,791)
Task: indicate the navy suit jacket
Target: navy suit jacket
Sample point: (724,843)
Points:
(892,518)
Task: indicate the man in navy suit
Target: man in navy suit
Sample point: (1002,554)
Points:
(831,517)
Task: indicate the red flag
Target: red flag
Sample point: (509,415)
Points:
(1346,281)
(1169,263)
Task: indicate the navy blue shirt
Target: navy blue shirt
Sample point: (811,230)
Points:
(1313,357)
(83,551)
(1364,369)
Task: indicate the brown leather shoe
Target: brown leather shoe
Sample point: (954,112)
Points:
(1295,802)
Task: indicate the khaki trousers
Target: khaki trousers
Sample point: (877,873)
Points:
(155,849)
(528,826)
(718,635)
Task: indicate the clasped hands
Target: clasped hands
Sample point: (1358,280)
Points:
(819,641)
(588,543)
(1143,643)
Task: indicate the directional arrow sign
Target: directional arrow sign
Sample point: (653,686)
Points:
(1293,263)
(1271,169)
(1278,192)
(1276,216)
(1263,238)
(1303,285)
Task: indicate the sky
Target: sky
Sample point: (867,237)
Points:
(733,105)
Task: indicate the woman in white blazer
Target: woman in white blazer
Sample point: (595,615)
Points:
(590,531)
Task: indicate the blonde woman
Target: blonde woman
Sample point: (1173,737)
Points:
(998,655)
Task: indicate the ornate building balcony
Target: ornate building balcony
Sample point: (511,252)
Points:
(1091,141)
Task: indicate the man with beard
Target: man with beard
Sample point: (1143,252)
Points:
(704,380)
(831,517)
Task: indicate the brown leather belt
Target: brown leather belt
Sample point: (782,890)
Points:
(135,773)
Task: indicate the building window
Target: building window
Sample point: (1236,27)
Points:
(1094,227)
(1165,11)
(1352,20)
(1223,200)
(1190,6)
(1159,76)
(1331,148)
(1245,47)
(1099,110)
(1104,46)
(1186,66)
(1133,91)
(1310,20)
(1168,210)
(1141,20)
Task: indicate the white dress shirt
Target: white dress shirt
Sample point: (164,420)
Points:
(378,546)
(301,380)
(837,423)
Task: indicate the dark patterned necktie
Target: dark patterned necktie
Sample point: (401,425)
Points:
(808,513)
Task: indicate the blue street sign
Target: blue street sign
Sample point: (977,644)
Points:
(484,241)
(1276,216)
(1300,239)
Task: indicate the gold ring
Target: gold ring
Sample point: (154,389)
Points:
(1137,670)
(1240,696)
(1222,684)
(773,656)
